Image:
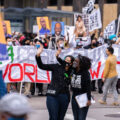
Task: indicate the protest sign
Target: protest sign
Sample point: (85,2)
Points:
(35,29)
(43,24)
(57,28)
(22,67)
(91,21)
(89,7)
(84,41)
(3,50)
(95,20)
(85,18)
(110,30)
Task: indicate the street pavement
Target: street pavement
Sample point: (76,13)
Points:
(96,111)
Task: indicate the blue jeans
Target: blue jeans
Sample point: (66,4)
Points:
(57,106)
(79,113)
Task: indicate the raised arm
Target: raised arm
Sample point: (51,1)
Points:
(40,64)
(62,62)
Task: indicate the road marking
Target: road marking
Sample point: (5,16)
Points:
(70,117)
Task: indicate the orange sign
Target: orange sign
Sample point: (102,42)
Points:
(7,22)
(43,25)
(2,35)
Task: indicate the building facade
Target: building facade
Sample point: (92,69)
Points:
(110,9)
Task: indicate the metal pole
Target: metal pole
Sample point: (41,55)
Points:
(21,85)
(118,25)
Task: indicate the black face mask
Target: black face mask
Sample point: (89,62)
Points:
(27,44)
(94,44)
(75,64)
(67,64)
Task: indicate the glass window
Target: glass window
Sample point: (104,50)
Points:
(68,2)
(111,1)
(96,1)
(2,3)
(52,2)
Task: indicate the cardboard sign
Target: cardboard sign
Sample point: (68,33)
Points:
(23,67)
(43,24)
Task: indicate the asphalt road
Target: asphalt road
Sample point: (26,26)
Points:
(96,111)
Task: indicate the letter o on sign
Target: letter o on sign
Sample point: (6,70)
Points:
(21,73)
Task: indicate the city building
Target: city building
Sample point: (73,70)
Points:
(23,13)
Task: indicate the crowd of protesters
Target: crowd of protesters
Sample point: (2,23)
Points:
(58,93)
(19,39)
(57,41)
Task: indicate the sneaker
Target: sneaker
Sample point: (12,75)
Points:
(102,102)
(40,94)
(100,91)
(115,104)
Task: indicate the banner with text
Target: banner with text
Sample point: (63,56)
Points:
(110,30)
(95,20)
(22,67)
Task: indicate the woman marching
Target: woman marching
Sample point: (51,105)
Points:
(80,84)
(58,96)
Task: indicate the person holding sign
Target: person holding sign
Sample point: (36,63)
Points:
(81,84)
(58,96)
(57,33)
(80,29)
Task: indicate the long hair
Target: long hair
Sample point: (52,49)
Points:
(85,62)
(79,17)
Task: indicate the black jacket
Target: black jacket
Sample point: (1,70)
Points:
(53,40)
(81,83)
(59,82)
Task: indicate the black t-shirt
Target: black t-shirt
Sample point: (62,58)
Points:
(81,83)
